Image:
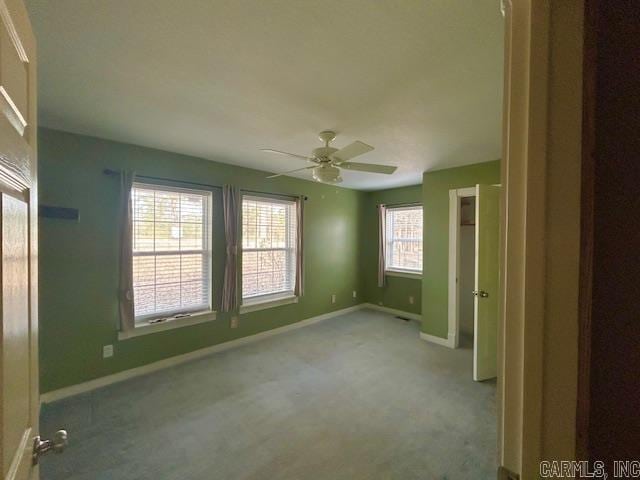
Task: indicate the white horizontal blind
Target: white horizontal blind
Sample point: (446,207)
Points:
(171,250)
(404,239)
(268,246)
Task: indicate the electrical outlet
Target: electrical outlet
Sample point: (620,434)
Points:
(410,300)
(380,303)
(235,321)
(355,294)
(107,351)
(333,298)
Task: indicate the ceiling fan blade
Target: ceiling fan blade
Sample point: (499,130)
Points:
(271,150)
(290,171)
(368,167)
(350,151)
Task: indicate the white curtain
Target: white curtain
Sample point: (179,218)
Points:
(299,286)
(382,243)
(127,314)
(231,209)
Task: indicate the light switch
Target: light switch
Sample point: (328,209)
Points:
(107,351)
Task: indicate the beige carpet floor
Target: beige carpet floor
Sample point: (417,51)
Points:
(354,397)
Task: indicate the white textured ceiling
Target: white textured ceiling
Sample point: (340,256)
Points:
(421,80)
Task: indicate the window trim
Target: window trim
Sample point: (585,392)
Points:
(398,271)
(168,323)
(171,319)
(272,299)
(395,272)
(262,302)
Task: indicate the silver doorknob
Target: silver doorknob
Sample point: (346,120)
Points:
(55,445)
(480,293)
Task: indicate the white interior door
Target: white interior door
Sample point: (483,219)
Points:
(485,340)
(19,402)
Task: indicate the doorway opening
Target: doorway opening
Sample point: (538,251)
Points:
(473,275)
(462,203)
(466,271)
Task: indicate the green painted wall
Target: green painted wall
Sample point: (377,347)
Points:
(396,293)
(435,199)
(78,260)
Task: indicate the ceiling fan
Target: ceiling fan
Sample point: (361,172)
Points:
(328,160)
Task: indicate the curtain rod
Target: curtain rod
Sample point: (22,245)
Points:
(409,204)
(108,171)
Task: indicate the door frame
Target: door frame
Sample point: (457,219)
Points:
(597,358)
(455,197)
(522,262)
(587,228)
(538,370)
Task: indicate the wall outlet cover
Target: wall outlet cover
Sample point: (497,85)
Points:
(411,300)
(107,351)
(354,294)
(333,298)
(235,321)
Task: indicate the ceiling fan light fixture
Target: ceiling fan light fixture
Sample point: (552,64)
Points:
(329,161)
(326,174)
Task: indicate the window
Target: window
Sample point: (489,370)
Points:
(268,248)
(404,239)
(171,251)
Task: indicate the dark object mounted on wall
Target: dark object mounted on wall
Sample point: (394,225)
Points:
(47,211)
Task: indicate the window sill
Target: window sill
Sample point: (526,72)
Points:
(403,274)
(169,324)
(268,302)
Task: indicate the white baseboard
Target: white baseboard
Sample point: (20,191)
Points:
(186,357)
(445,342)
(393,311)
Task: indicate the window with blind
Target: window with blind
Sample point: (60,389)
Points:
(404,239)
(171,251)
(268,247)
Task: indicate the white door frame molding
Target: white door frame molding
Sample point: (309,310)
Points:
(540,211)
(524,138)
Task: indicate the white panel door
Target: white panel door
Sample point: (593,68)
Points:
(485,341)
(19,403)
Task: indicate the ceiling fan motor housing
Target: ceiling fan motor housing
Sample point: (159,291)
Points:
(322,153)
(327,136)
